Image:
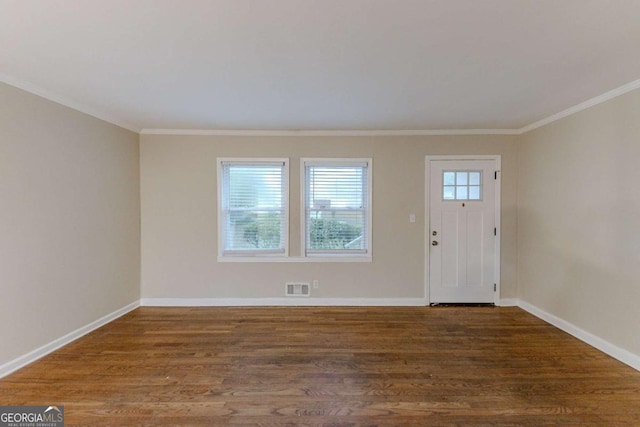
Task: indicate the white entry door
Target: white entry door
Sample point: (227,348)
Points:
(463,230)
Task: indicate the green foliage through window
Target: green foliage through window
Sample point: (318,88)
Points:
(332,234)
(262,231)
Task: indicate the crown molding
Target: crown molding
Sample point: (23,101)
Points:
(626,88)
(44,93)
(234,132)
(54,97)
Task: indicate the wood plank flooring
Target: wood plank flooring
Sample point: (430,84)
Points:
(315,366)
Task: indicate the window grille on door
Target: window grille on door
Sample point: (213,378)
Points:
(462,185)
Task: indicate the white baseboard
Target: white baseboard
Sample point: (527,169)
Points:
(612,350)
(36,354)
(290,301)
(603,345)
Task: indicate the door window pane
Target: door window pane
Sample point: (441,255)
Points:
(449,193)
(461,193)
(449,178)
(474,178)
(461,178)
(462,185)
(474,192)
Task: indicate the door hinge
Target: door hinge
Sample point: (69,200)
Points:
(495,175)
(495,231)
(495,287)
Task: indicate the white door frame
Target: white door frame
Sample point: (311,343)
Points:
(427,220)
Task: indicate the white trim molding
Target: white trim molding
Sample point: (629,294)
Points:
(58,99)
(270,302)
(47,94)
(54,345)
(621,90)
(624,356)
(354,132)
(601,344)
(631,86)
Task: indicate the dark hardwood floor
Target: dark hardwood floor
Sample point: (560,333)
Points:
(400,366)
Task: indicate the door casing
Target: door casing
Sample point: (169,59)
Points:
(427,212)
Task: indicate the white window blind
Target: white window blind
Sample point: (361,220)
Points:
(337,207)
(253,207)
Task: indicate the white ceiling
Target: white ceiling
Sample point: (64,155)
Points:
(321,64)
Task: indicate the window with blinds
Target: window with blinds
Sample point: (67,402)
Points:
(253,217)
(337,206)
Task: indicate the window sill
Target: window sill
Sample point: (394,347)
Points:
(339,259)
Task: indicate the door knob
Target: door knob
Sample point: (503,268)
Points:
(434,243)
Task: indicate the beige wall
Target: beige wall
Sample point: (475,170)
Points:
(74,190)
(579,220)
(179,229)
(69,221)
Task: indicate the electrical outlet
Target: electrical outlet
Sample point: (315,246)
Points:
(315,284)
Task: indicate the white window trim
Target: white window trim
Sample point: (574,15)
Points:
(335,257)
(248,256)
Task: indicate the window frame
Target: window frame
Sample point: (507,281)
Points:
(252,255)
(337,255)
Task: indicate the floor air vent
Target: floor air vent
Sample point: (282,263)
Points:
(297,289)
